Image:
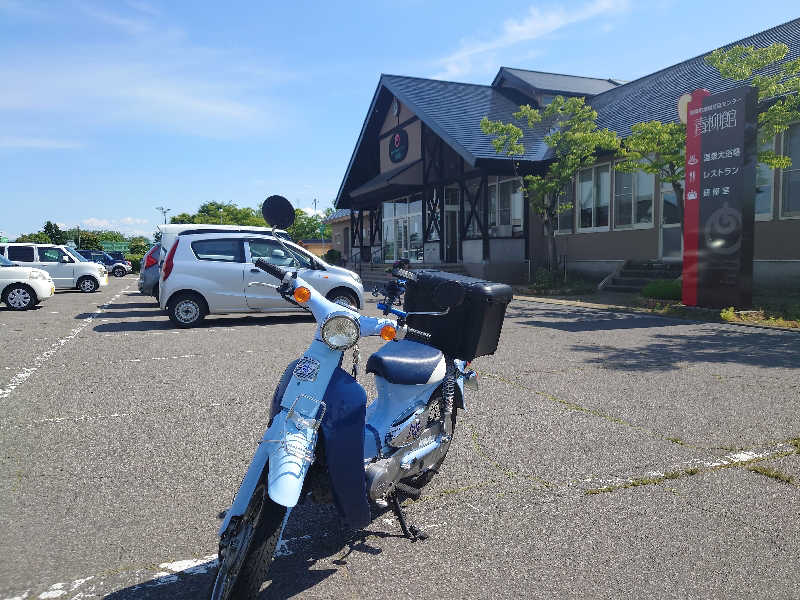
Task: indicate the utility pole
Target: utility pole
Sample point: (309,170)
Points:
(164,212)
(315,206)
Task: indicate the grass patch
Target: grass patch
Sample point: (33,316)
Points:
(772,473)
(546,283)
(640,481)
(663,289)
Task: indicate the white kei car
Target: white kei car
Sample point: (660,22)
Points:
(22,288)
(214,273)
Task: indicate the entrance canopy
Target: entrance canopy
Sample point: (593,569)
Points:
(390,184)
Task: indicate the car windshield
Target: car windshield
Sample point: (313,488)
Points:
(74,254)
(4,262)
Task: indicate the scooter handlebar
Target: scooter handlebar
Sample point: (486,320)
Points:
(273,270)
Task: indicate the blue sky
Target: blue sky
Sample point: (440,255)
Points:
(109,109)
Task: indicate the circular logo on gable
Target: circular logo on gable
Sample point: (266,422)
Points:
(398,145)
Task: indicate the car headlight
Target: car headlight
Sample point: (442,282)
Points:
(39,275)
(340,332)
(355,276)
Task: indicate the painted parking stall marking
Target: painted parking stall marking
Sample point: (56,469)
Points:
(27,372)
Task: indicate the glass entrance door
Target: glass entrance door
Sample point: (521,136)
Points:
(671,239)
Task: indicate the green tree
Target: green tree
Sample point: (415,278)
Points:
(87,240)
(53,231)
(659,148)
(778,94)
(35,238)
(138,245)
(575,141)
(305,226)
(222,214)
(105,235)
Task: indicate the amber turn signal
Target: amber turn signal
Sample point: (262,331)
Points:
(302,294)
(388,333)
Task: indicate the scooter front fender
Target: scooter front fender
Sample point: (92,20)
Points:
(253,475)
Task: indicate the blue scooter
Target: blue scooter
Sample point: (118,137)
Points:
(323,439)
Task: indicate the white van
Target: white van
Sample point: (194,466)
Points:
(169,231)
(68,269)
(22,288)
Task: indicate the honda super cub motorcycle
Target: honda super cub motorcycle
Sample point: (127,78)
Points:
(324,441)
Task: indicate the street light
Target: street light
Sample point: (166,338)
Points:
(164,212)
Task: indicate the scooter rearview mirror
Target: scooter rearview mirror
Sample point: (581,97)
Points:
(278,212)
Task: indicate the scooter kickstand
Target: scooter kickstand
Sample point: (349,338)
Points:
(411,532)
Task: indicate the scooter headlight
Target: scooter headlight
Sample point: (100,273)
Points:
(340,332)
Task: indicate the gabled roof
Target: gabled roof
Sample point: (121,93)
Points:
(553,83)
(655,96)
(452,110)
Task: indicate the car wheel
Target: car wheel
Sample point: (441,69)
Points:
(345,298)
(186,310)
(19,296)
(88,284)
(119,272)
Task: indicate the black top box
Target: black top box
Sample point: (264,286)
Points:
(469,330)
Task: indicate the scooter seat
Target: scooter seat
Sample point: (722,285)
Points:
(408,363)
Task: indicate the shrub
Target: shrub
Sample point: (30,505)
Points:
(543,278)
(728,314)
(663,289)
(135,260)
(333,257)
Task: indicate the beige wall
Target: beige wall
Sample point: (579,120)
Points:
(632,244)
(338,241)
(391,121)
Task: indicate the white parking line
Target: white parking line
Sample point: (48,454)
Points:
(165,573)
(25,374)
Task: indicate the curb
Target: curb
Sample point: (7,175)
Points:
(644,311)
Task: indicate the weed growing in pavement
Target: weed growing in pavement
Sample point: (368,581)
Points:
(773,473)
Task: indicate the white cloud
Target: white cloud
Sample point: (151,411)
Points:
(125,224)
(37,143)
(154,78)
(132,221)
(96,223)
(538,23)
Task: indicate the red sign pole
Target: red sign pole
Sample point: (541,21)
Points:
(691,205)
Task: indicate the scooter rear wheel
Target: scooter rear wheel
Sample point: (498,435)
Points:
(241,571)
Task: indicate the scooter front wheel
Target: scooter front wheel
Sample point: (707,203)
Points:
(246,553)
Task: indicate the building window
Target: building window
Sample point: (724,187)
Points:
(594,193)
(765,178)
(633,199)
(790,178)
(402,229)
(565,221)
(506,207)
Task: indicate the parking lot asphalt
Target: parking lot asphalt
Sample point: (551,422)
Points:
(607,455)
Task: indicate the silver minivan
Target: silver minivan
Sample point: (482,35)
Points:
(214,273)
